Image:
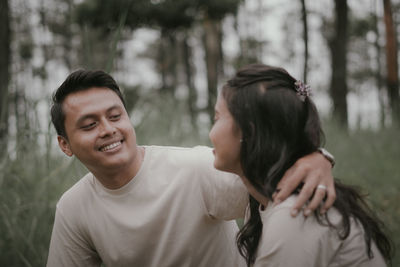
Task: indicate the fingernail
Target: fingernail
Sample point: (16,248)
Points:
(274,195)
(294,212)
(307,212)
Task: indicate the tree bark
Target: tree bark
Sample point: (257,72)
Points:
(378,71)
(68,35)
(211,47)
(192,98)
(392,79)
(162,60)
(5,59)
(338,46)
(168,61)
(305,38)
(220,49)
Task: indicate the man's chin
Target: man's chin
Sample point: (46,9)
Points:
(115,161)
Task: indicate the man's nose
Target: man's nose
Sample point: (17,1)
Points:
(107,128)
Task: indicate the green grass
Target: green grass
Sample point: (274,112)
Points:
(371,160)
(31,184)
(29,189)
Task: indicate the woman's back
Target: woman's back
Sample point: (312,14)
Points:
(303,241)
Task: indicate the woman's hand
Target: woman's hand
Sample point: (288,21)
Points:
(315,171)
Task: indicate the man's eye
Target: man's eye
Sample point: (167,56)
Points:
(115,117)
(89,126)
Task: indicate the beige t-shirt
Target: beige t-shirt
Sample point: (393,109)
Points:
(174,212)
(303,242)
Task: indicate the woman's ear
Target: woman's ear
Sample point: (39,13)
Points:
(64,145)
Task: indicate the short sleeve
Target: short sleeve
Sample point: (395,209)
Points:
(224,194)
(68,247)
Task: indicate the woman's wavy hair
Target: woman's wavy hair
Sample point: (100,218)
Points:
(278,128)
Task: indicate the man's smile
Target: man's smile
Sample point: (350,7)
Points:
(107,147)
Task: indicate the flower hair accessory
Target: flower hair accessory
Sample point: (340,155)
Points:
(303,90)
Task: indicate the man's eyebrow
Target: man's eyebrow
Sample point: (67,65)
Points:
(113,107)
(92,116)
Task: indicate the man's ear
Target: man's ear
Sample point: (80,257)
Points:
(64,145)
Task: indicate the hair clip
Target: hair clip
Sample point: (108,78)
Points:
(303,90)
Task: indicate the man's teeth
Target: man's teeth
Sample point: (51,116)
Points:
(110,146)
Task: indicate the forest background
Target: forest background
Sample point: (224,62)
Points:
(170,57)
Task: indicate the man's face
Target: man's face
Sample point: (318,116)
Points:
(225,136)
(98,128)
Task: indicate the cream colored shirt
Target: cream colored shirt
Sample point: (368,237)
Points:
(177,211)
(303,242)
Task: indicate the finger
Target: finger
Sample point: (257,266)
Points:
(275,193)
(319,195)
(305,194)
(330,199)
(291,179)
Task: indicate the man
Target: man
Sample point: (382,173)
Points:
(146,205)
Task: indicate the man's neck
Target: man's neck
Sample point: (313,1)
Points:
(114,179)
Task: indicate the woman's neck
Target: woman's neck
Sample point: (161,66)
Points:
(263,200)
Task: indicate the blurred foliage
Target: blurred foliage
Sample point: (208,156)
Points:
(167,14)
(30,186)
(359,27)
(160,120)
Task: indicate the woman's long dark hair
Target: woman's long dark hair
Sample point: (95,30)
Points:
(277,129)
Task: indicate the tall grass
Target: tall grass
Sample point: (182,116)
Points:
(371,160)
(30,186)
(31,183)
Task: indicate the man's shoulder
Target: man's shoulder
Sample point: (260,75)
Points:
(77,193)
(179,149)
(191,156)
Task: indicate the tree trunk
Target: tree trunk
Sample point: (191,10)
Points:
(305,38)
(168,61)
(162,60)
(192,98)
(173,55)
(68,35)
(220,49)
(378,71)
(5,56)
(211,47)
(392,79)
(338,46)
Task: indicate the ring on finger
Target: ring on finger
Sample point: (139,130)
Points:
(321,186)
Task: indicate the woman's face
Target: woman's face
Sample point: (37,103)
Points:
(226,138)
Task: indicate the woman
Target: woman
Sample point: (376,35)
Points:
(265,121)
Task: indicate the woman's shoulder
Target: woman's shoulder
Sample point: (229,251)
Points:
(278,224)
(284,235)
(293,241)
(282,210)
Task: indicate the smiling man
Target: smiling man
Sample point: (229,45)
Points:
(147,205)
(99,133)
